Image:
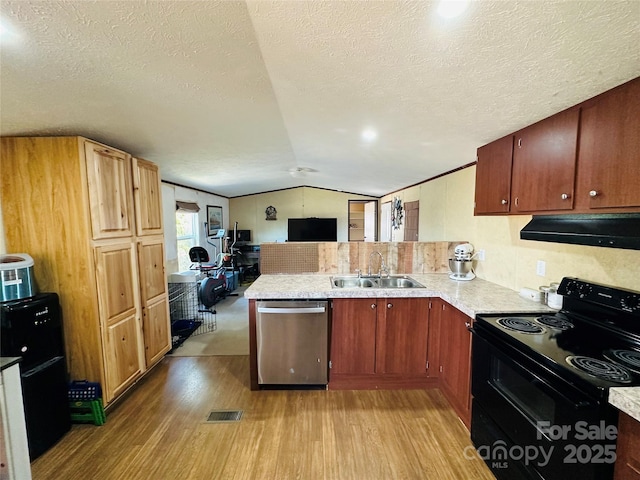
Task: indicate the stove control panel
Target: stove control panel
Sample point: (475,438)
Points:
(613,297)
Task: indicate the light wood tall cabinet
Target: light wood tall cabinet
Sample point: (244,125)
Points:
(91,218)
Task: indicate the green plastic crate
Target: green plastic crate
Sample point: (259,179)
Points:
(88,411)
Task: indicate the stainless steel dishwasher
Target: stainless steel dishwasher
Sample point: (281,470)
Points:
(292,338)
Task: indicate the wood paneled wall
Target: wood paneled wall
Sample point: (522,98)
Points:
(346,257)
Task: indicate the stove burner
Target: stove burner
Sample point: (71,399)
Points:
(521,325)
(627,358)
(600,369)
(555,321)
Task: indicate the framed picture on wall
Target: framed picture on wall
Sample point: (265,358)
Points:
(214,220)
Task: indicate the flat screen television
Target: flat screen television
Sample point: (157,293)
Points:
(313,230)
(243,236)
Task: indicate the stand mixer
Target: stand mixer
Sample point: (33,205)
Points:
(461,265)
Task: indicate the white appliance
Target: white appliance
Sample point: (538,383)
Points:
(461,265)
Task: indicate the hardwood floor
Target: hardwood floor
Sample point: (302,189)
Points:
(159,432)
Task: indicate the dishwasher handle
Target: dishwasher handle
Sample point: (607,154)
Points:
(291,310)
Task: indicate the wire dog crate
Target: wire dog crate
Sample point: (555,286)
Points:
(188,315)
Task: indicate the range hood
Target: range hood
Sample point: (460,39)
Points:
(603,230)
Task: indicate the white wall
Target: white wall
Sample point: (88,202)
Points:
(171,194)
(446,213)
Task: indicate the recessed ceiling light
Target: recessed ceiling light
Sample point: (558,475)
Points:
(452,8)
(7,33)
(369,135)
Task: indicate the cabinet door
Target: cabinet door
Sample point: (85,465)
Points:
(627,466)
(110,195)
(455,360)
(436,307)
(156,330)
(493,177)
(353,336)
(402,335)
(117,285)
(153,281)
(608,160)
(122,362)
(544,164)
(147,197)
(153,295)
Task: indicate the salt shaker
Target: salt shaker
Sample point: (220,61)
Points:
(554,300)
(544,289)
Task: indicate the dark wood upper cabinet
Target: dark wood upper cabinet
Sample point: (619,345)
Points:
(493,177)
(544,164)
(609,150)
(585,159)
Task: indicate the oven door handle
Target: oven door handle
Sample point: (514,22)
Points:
(576,402)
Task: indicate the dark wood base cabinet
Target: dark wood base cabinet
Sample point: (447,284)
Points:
(402,343)
(379,343)
(627,465)
(455,360)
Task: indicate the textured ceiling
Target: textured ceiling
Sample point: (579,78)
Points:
(229,96)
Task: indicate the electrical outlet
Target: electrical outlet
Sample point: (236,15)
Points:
(541,267)
(481,255)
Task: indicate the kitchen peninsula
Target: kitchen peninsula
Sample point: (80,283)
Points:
(415,338)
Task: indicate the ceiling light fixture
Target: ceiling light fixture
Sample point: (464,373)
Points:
(298,172)
(452,8)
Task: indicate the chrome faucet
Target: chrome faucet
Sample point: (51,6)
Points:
(383,267)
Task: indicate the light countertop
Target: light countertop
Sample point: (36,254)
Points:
(627,400)
(471,297)
(6,362)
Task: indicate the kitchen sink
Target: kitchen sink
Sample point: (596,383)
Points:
(398,282)
(392,281)
(349,282)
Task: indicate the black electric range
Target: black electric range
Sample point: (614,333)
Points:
(536,372)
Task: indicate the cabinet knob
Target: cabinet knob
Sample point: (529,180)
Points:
(467,324)
(519,143)
(503,201)
(593,193)
(565,196)
(373,305)
(389,305)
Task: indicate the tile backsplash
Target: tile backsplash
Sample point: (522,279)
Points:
(347,257)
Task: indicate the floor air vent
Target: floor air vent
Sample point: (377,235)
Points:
(224,416)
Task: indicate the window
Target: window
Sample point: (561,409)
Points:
(187,233)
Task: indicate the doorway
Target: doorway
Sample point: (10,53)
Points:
(363,215)
(411,214)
